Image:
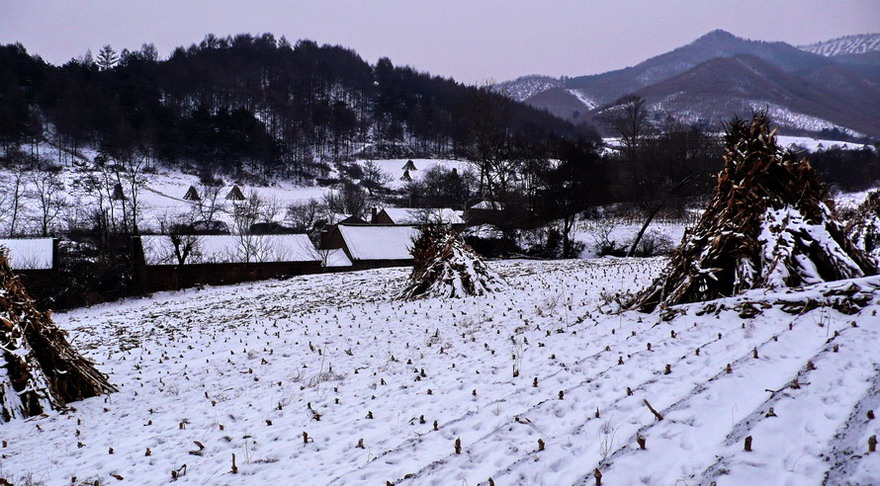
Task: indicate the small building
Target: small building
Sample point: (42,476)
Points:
(486,212)
(373,246)
(418,216)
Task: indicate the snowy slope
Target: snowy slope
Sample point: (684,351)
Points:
(247,369)
(850,44)
(524,87)
(162,202)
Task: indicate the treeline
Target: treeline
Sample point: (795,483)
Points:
(249,103)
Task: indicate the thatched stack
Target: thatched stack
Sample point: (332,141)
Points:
(445,266)
(192,194)
(864,225)
(769,224)
(235,194)
(39,370)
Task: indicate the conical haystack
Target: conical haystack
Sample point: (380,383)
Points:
(39,370)
(192,194)
(769,224)
(445,266)
(235,194)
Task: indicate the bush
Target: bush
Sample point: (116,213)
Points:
(654,244)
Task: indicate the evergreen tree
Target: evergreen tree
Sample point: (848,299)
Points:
(107,58)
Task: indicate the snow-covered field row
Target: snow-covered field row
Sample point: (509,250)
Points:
(326,379)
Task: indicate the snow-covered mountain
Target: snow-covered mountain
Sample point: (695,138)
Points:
(850,44)
(719,75)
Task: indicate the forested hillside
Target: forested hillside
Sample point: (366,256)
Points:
(255,103)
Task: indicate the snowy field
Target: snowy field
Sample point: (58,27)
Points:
(325,379)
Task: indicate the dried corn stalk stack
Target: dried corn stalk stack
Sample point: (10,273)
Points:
(445,266)
(864,225)
(39,370)
(769,224)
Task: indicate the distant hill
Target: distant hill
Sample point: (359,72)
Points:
(719,75)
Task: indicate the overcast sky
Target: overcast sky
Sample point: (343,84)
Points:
(471,40)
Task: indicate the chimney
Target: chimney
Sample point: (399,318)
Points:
(374,214)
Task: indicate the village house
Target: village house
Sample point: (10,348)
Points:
(373,246)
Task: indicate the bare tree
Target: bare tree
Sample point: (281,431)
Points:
(15,194)
(186,246)
(270,209)
(350,200)
(628,119)
(302,217)
(245,214)
(100,184)
(210,202)
(47,188)
(374,177)
(129,171)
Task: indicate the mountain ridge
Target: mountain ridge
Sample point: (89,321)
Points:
(848,76)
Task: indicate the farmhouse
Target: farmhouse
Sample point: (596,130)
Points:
(185,261)
(372,246)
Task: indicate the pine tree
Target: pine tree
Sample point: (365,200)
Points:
(107,58)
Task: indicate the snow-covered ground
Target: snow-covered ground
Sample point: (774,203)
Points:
(811,144)
(394,168)
(593,232)
(249,369)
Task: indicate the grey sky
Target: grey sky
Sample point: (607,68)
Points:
(470,40)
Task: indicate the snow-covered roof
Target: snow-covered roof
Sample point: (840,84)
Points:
(159,250)
(337,258)
(487,205)
(29,253)
(379,242)
(423,215)
(485,231)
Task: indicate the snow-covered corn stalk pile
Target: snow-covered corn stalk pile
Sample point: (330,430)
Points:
(445,266)
(40,371)
(769,224)
(864,225)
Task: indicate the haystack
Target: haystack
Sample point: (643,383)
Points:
(445,266)
(192,194)
(235,194)
(864,225)
(39,370)
(409,166)
(770,224)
